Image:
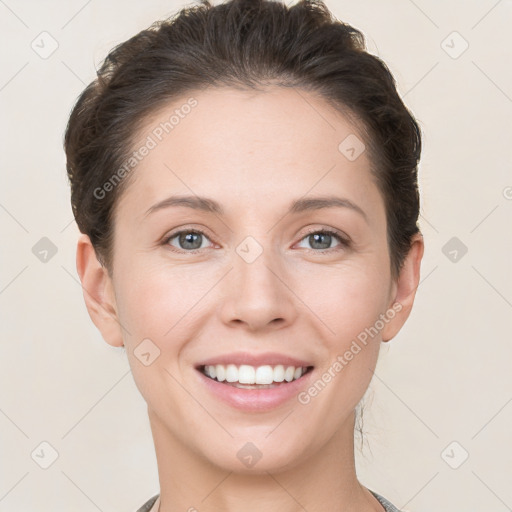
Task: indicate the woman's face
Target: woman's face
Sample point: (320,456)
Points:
(256,287)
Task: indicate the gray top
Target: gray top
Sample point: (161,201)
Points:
(388,507)
(147,506)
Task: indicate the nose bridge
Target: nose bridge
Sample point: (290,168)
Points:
(255,262)
(257,295)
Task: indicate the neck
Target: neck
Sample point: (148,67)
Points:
(325,481)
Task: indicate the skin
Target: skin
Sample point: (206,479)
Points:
(254,153)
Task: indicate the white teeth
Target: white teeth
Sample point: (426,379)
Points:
(279,373)
(264,375)
(231,373)
(221,373)
(246,374)
(289,373)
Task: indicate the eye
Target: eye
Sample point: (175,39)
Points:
(321,239)
(188,240)
(191,240)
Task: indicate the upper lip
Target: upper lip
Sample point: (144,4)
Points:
(264,358)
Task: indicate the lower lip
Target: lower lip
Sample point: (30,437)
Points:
(256,400)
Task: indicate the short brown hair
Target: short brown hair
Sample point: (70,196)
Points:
(244,44)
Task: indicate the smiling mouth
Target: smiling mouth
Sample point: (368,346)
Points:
(251,377)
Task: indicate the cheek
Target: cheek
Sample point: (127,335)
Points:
(159,298)
(347,300)
(157,304)
(349,308)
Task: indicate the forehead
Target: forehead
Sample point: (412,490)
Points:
(250,145)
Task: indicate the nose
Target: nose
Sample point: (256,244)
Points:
(257,294)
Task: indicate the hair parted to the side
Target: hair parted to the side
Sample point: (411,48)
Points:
(248,44)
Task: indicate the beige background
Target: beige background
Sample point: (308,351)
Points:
(445,378)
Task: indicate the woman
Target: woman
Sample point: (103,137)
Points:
(244,177)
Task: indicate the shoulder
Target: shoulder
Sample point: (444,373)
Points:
(147,506)
(388,506)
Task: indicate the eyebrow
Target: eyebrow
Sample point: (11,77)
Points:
(298,206)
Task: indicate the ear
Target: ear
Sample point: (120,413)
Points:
(405,289)
(98,292)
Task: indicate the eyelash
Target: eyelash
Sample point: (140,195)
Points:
(344,242)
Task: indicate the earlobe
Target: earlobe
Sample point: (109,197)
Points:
(406,287)
(98,292)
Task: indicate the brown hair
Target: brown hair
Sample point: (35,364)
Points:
(244,44)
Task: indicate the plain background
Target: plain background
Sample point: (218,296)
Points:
(442,389)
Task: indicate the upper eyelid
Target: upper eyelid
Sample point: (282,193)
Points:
(343,239)
(186,230)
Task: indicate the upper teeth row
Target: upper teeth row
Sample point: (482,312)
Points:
(245,374)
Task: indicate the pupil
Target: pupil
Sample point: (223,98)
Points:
(317,235)
(187,238)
